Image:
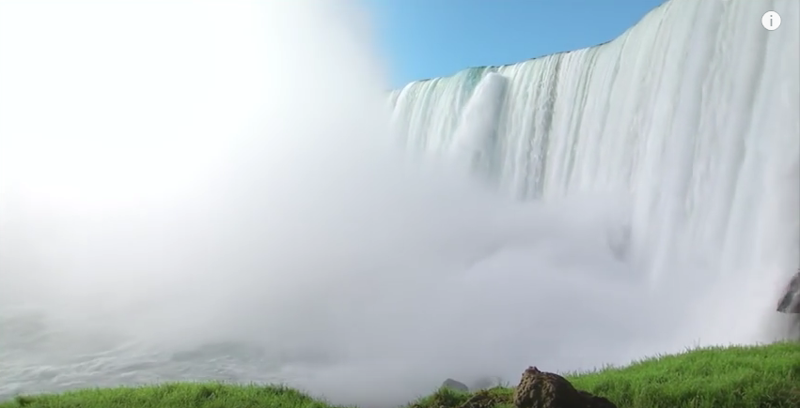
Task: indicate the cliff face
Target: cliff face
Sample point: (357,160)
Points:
(790,301)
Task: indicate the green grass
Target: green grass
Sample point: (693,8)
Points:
(732,377)
(174,395)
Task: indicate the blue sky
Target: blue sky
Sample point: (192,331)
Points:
(429,38)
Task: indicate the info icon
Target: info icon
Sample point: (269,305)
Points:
(771,20)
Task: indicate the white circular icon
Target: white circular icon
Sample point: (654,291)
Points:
(771,20)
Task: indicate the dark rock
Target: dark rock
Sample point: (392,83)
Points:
(790,301)
(454,385)
(539,389)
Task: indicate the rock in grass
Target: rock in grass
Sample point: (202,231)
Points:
(539,389)
(454,385)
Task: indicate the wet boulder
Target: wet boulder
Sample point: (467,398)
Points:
(539,389)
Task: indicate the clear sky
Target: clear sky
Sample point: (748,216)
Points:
(429,38)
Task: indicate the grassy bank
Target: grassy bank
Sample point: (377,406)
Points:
(734,377)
